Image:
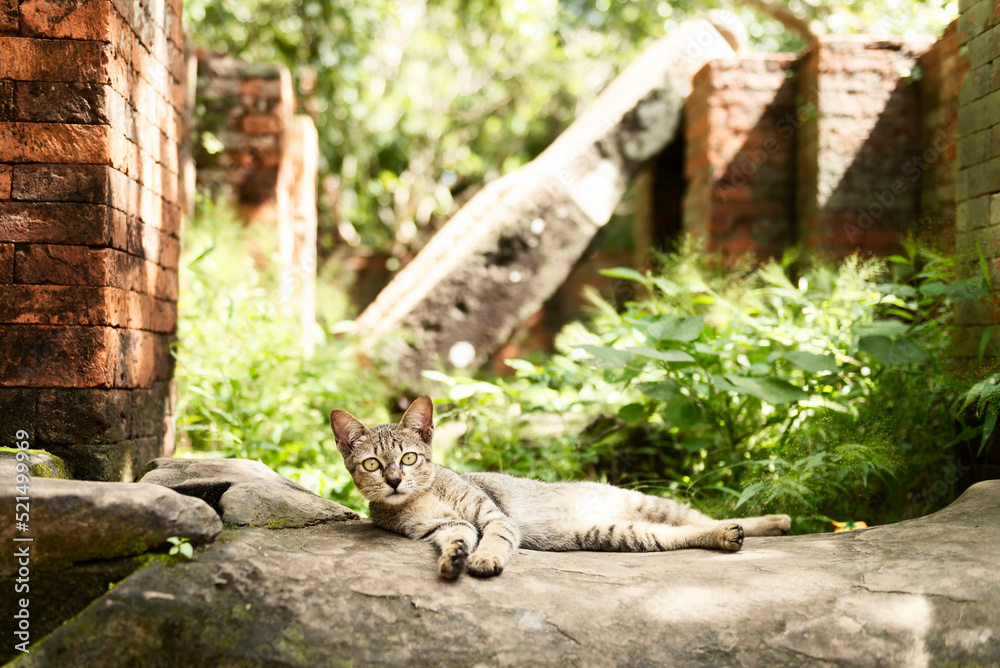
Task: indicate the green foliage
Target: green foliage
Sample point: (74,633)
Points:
(418,103)
(825,396)
(179,546)
(246,388)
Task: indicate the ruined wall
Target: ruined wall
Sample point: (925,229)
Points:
(740,156)
(90,216)
(977,223)
(853,148)
(858,186)
(942,72)
(253,151)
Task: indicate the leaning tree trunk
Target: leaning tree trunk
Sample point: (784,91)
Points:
(512,245)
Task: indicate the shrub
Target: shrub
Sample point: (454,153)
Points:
(828,397)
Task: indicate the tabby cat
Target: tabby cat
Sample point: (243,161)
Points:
(478,520)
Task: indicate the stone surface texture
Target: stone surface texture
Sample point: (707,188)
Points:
(74,521)
(246,493)
(919,593)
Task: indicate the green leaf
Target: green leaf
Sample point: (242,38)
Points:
(662,355)
(605,357)
(524,366)
(892,353)
(186,549)
(880,328)
(772,390)
(683,415)
(723,385)
(697,444)
(984,341)
(934,289)
(664,390)
(989,424)
(632,413)
(749,492)
(460,392)
(813,362)
(676,328)
(624,273)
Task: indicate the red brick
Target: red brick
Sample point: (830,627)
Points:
(6,177)
(7,100)
(84,19)
(39,264)
(83,357)
(50,142)
(261,124)
(27,222)
(28,59)
(85,306)
(57,102)
(8,16)
(36,356)
(61,183)
(6,263)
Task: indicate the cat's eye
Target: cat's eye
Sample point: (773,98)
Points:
(409,458)
(371,464)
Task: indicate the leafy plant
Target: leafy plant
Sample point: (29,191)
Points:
(829,396)
(180,546)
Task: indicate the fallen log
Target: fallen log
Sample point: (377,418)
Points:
(511,246)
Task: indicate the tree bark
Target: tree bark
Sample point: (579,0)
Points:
(512,245)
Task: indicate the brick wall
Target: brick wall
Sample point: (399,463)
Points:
(253,151)
(858,186)
(740,156)
(90,217)
(244,112)
(978,179)
(943,70)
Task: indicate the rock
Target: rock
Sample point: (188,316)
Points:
(245,492)
(920,592)
(73,521)
(42,464)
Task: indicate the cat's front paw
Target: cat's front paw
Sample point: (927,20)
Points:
(452,560)
(485,565)
(731,537)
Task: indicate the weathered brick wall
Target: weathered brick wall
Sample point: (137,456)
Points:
(252,150)
(977,221)
(858,185)
(90,216)
(244,111)
(740,156)
(943,70)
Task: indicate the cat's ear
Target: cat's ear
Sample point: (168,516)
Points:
(419,418)
(347,429)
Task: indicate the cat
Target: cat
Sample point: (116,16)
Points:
(478,520)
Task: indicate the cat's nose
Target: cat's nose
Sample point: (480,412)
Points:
(392,477)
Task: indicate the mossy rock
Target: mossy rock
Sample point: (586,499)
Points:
(43,464)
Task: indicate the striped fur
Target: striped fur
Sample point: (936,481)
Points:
(478,520)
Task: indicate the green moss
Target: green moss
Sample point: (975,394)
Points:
(49,466)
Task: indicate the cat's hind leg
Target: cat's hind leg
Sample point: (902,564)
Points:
(767,525)
(656,537)
(668,511)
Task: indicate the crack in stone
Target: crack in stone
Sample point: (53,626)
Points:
(914,593)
